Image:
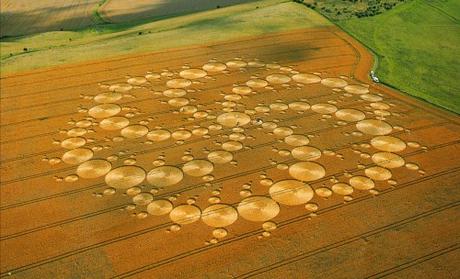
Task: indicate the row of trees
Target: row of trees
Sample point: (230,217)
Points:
(330,9)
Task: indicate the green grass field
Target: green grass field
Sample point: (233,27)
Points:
(418,46)
(108,40)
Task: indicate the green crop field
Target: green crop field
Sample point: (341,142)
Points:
(108,40)
(417,44)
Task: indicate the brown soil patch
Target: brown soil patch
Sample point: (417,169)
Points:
(266,157)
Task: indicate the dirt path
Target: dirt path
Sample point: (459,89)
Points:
(380,167)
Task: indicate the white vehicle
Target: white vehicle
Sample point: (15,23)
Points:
(374,77)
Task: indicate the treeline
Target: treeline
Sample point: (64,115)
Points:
(346,9)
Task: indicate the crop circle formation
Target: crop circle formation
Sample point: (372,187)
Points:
(228,125)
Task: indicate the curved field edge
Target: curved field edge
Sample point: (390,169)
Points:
(57,48)
(416,45)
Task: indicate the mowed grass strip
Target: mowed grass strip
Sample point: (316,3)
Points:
(418,45)
(255,18)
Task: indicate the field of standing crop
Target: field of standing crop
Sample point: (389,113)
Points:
(272,153)
(240,142)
